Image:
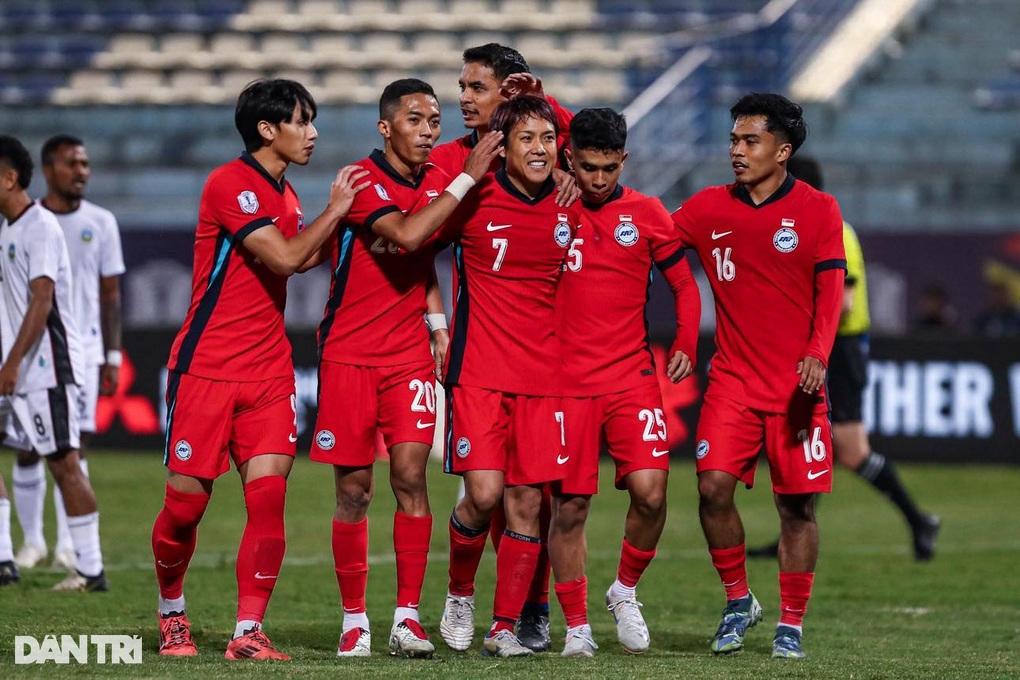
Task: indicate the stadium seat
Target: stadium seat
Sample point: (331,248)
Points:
(231,49)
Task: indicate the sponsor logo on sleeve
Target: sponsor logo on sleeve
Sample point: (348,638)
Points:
(248,201)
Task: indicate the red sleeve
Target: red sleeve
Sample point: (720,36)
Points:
(688,307)
(830,274)
(683,220)
(370,204)
(235,204)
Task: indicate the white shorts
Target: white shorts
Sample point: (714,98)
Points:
(88,396)
(44,421)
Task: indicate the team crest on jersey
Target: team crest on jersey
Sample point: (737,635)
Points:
(702,449)
(325,440)
(463,447)
(785,240)
(300,220)
(379,189)
(432,194)
(182,449)
(562,232)
(626,233)
(248,201)
(86,235)
(10,252)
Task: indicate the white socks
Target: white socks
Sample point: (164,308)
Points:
(618,591)
(246,626)
(6,547)
(85,538)
(174,606)
(29,484)
(402,613)
(358,620)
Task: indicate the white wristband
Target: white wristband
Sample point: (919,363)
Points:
(114,357)
(436,322)
(460,185)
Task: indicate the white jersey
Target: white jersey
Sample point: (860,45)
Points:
(31,247)
(93,243)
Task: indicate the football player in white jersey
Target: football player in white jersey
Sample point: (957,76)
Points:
(93,243)
(42,363)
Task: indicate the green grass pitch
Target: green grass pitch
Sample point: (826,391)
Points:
(875,613)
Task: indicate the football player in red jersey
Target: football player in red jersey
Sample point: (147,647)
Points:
(375,366)
(504,427)
(773,251)
(611,391)
(492,74)
(230,391)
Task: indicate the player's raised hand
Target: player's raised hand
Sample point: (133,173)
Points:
(679,367)
(346,186)
(486,150)
(812,374)
(567,190)
(440,343)
(518,84)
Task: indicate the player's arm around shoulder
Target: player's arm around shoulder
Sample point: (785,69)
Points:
(285,256)
(410,231)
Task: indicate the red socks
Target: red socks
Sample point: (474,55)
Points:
(262,546)
(732,568)
(633,563)
(573,597)
(466,548)
(411,536)
(173,538)
(515,569)
(350,561)
(794,593)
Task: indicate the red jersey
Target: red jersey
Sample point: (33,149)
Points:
(451,155)
(604,289)
(375,312)
(763,263)
(508,256)
(234,328)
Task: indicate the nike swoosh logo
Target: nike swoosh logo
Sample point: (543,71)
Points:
(561,459)
(262,577)
(656,453)
(716,236)
(421,426)
(274,219)
(496,227)
(169,566)
(815,475)
(292,438)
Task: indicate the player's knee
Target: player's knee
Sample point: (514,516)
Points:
(715,491)
(185,509)
(650,505)
(354,498)
(796,509)
(572,513)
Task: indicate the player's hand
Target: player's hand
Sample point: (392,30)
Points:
(566,187)
(679,367)
(518,84)
(812,374)
(346,186)
(8,379)
(486,150)
(109,378)
(440,343)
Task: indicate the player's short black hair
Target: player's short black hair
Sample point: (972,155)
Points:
(783,118)
(389,101)
(513,111)
(806,169)
(273,101)
(14,155)
(49,148)
(600,129)
(501,59)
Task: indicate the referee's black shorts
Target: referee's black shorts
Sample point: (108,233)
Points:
(848,376)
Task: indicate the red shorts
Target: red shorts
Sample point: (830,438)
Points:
(631,424)
(488,430)
(211,420)
(798,444)
(354,401)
